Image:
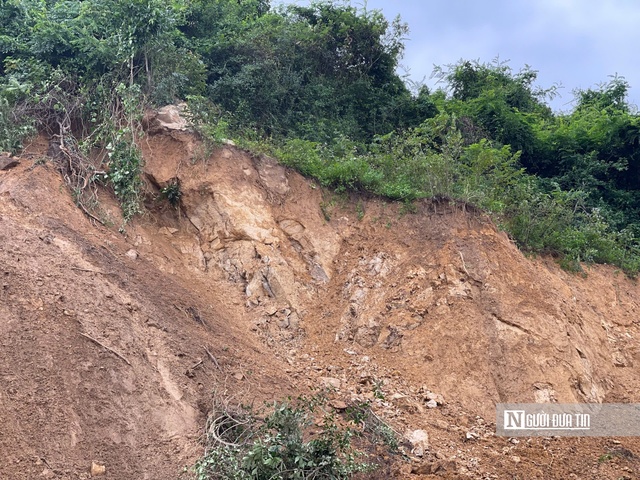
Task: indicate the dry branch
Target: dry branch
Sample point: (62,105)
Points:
(106,348)
(213,359)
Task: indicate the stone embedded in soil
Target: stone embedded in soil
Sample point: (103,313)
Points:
(436,397)
(168,231)
(338,404)
(419,440)
(6,163)
(330,382)
(97,469)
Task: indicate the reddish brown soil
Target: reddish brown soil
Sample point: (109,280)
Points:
(103,334)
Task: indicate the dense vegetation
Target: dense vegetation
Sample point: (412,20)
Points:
(317,86)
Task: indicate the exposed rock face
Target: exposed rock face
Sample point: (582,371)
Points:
(261,283)
(445,298)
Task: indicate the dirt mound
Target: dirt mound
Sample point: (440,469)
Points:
(433,316)
(103,357)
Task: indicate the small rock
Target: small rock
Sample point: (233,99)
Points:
(471,436)
(238,376)
(132,254)
(432,404)
(441,424)
(294,320)
(6,163)
(445,466)
(338,404)
(284,323)
(330,382)
(404,403)
(422,469)
(167,231)
(97,469)
(439,399)
(515,459)
(419,440)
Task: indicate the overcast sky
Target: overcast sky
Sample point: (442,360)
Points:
(575,43)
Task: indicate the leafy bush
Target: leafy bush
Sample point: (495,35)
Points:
(295,440)
(12,131)
(172,193)
(317,86)
(125,163)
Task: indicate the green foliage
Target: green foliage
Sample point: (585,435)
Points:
(208,120)
(304,71)
(172,193)
(283,445)
(316,86)
(12,131)
(377,431)
(124,174)
(501,104)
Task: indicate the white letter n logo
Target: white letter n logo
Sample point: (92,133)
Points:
(513,419)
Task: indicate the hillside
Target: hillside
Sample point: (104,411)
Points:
(263,285)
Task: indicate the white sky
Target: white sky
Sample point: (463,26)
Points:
(575,43)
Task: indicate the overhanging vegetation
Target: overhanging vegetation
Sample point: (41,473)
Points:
(317,87)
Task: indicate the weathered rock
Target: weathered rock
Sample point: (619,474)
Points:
(169,117)
(432,404)
(419,440)
(7,162)
(338,404)
(436,397)
(168,231)
(439,467)
(330,382)
(97,470)
(272,174)
(132,254)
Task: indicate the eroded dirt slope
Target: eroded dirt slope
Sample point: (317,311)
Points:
(290,287)
(102,355)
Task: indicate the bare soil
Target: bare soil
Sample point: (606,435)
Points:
(262,285)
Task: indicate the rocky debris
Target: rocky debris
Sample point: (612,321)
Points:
(439,467)
(419,440)
(432,399)
(338,405)
(432,404)
(168,231)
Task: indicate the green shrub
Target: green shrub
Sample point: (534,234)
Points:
(12,131)
(172,193)
(286,444)
(125,164)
